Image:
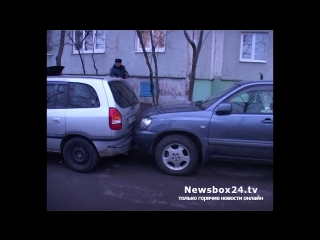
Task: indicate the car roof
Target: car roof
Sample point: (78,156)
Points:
(66,77)
(243,82)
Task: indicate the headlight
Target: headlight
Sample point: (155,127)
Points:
(145,122)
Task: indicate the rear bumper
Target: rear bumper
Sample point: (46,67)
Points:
(107,149)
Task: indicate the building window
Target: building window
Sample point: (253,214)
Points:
(159,38)
(253,47)
(89,41)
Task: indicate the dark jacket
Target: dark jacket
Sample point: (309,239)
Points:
(118,71)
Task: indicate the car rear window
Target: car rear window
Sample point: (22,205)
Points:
(123,93)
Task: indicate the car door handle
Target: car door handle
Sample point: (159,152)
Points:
(267,120)
(55,120)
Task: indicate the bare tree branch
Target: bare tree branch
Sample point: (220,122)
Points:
(195,55)
(78,46)
(139,33)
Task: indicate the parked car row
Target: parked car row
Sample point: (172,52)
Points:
(93,117)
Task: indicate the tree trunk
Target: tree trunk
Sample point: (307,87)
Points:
(156,68)
(61,46)
(195,55)
(148,64)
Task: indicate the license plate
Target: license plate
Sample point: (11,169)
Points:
(131,119)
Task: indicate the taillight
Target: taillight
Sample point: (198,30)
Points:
(115,119)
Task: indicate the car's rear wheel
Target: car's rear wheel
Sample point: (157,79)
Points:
(80,155)
(176,155)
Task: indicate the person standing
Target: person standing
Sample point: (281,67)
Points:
(118,70)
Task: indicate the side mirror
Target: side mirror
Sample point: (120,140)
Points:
(224,109)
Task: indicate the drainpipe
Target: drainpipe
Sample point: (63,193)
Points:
(213,55)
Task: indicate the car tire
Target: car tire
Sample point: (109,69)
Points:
(80,155)
(176,155)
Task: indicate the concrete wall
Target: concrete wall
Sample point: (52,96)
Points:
(121,44)
(225,65)
(218,64)
(233,69)
(203,89)
(172,90)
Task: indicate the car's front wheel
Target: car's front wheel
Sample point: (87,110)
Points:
(80,155)
(176,155)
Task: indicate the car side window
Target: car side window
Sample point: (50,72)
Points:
(55,96)
(82,95)
(267,100)
(253,100)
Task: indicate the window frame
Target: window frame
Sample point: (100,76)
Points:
(138,47)
(93,43)
(253,47)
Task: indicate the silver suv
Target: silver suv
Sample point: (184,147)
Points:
(89,118)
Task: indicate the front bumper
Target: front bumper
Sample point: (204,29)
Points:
(144,139)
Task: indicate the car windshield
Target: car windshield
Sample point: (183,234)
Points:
(212,99)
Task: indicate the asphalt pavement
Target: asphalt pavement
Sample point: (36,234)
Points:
(133,182)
